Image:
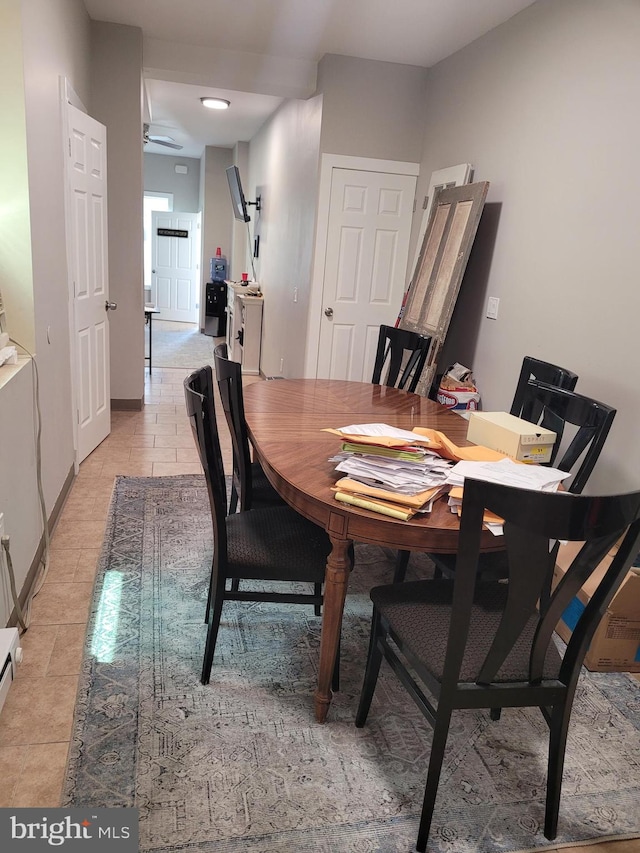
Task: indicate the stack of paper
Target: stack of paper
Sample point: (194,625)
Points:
(403,476)
(390,471)
(505,471)
(509,473)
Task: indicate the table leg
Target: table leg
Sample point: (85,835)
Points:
(335,590)
(150,328)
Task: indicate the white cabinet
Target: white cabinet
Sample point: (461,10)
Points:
(244,327)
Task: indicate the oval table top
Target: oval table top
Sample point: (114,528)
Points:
(286,419)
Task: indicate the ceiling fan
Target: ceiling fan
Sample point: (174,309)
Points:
(167,141)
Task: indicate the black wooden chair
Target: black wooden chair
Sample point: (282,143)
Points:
(396,345)
(542,371)
(554,407)
(486,645)
(250,486)
(273,543)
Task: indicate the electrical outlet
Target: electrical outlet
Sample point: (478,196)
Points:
(492,307)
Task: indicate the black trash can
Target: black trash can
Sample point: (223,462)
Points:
(215,316)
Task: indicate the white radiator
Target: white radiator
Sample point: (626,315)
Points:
(10,657)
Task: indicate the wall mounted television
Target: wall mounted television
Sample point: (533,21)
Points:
(237,196)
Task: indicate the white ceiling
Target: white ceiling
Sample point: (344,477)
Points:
(414,32)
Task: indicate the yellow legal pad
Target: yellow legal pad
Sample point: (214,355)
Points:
(383,507)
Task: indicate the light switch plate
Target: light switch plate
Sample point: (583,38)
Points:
(492,307)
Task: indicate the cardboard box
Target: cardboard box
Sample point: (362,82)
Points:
(615,646)
(519,439)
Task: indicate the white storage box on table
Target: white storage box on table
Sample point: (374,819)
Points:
(521,440)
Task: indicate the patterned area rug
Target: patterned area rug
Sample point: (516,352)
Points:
(241,765)
(181,345)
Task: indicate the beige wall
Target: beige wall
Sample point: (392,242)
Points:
(216,213)
(240,261)
(217,216)
(372,109)
(160,176)
(545,107)
(116,101)
(54,43)
(16,269)
(367,109)
(284,158)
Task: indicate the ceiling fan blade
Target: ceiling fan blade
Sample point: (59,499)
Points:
(157,141)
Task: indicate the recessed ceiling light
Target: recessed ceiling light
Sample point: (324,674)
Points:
(215,103)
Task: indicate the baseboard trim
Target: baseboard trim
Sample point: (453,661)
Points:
(34,568)
(127,405)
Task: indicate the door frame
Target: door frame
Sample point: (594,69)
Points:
(68,95)
(328,163)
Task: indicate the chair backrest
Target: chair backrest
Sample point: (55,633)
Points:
(552,408)
(543,371)
(532,519)
(198,391)
(229,376)
(394,344)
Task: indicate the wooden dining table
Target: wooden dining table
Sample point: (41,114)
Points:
(286,419)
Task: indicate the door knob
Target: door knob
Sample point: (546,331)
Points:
(110,306)
(328,312)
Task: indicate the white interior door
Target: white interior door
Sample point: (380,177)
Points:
(86,216)
(370,216)
(175,265)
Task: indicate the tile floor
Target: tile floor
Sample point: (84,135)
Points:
(35,725)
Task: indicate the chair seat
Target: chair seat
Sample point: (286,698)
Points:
(262,492)
(419,613)
(275,543)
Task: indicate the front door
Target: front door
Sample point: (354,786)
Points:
(175,265)
(86,216)
(370,216)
